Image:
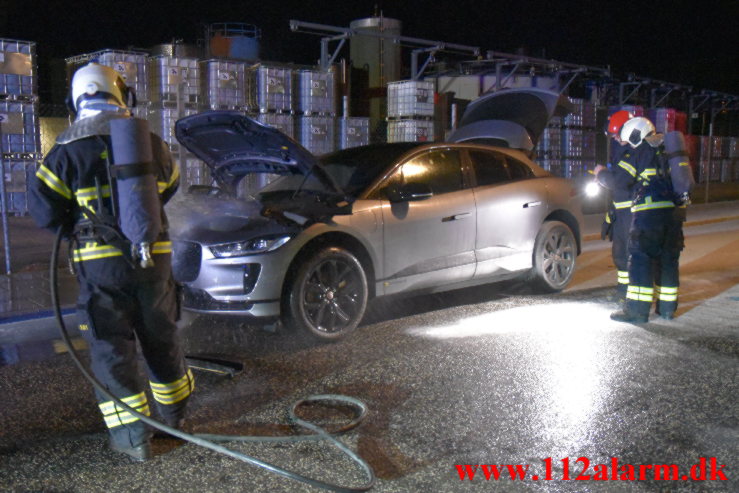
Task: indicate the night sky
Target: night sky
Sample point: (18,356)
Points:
(694,43)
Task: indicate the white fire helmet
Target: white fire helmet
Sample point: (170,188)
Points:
(636,130)
(100,83)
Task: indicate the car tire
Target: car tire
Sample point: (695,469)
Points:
(555,251)
(327,296)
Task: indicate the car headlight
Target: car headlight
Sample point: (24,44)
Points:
(249,247)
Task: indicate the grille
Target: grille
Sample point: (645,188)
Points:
(185,261)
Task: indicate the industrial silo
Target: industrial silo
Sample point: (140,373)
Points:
(380,58)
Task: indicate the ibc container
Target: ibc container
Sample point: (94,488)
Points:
(162,122)
(174,79)
(633,109)
(269,88)
(664,119)
(410,98)
(551,142)
(572,142)
(710,170)
(283,122)
(20,134)
(316,133)
(18,75)
(574,168)
(18,175)
(194,172)
(589,140)
(410,131)
(583,114)
(353,132)
(727,170)
(681,122)
(316,92)
(223,84)
(730,147)
(554,166)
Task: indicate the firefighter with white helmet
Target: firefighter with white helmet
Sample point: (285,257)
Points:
(655,236)
(618,218)
(123,298)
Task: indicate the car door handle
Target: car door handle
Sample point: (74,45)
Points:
(532,204)
(455,217)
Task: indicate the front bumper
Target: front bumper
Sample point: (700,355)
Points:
(246,286)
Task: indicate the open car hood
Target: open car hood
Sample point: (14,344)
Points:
(515,118)
(234,145)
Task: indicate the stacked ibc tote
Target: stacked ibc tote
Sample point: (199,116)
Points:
(567,146)
(174,91)
(410,111)
(20,141)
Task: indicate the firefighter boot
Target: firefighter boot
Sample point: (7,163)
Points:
(139,453)
(629,317)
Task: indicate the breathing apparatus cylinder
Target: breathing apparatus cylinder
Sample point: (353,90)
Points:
(680,171)
(139,208)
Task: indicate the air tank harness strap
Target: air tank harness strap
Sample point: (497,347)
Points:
(104,233)
(131,170)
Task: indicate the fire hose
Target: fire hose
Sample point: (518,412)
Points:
(209,440)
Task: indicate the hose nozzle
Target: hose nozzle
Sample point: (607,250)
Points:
(142,254)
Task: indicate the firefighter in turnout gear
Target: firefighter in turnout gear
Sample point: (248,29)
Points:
(618,217)
(122,299)
(656,236)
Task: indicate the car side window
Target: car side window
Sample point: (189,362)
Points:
(518,170)
(490,167)
(440,170)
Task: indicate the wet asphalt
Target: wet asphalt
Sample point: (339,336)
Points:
(490,375)
(486,375)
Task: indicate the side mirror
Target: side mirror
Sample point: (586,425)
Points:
(410,192)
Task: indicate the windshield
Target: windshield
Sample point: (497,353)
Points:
(351,169)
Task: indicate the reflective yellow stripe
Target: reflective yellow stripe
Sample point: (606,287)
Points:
(629,168)
(116,415)
(667,294)
(647,172)
(94,251)
(640,293)
(648,204)
(132,400)
(622,205)
(52,181)
(173,392)
(623,277)
(86,195)
(124,418)
(162,247)
(684,164)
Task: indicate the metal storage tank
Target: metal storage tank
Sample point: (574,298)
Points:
(233,40)
(381,58)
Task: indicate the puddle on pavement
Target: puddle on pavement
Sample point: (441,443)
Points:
(11,354)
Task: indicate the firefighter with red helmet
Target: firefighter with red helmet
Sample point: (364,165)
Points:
(618,217)
(127,295)
(655,236)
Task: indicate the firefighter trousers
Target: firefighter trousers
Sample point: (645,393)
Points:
(112,318)
(655,242)
(620,249)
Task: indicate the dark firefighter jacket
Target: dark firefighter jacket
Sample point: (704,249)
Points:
(71,176)
(614,180)
(634,180)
